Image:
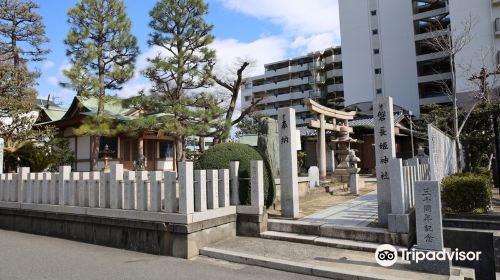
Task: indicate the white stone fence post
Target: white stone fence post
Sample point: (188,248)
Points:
(120,193)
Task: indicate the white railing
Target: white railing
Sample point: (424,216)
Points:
(413,170)
(194,196)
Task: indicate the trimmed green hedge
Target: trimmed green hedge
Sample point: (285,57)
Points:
(467,193)
(219,157)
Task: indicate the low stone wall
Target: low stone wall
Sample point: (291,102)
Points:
(303,187)
(170,239)
(148,212)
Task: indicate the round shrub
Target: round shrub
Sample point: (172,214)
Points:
(466,193)
(219,157)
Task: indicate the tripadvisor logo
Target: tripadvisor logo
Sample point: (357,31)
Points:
(387,255)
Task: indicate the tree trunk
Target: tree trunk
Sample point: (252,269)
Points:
(94,155)
(456,134)
(201,144)
(179,150)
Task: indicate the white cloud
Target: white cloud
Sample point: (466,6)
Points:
(47,65)
(298,17)
(53,80)
(260,52)
(134,86)
(65,66)
(312,43)
(62,96)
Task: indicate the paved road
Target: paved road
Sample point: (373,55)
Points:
(25,256)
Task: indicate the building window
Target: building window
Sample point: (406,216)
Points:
(376,51)
(112,143)
(375,31)
(379,91)
(166,149)
(248,85)
(378,71)
(247,98)
(374,12)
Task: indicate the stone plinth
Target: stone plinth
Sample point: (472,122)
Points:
(354,183)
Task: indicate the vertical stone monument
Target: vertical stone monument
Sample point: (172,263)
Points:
(268,143)
(288,163)
(1,155)
(313,175)
(385,151)
(429,227)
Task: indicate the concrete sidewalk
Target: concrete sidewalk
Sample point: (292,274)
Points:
(310,260)
(359,212)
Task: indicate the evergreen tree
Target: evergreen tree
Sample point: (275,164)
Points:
(182,34)
(22,35)
(102,53)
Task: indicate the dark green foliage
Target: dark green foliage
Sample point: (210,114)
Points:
(219,157)
(249,125)
(102,52)
(466,193)
(40,157)
(185,64)
(476,137)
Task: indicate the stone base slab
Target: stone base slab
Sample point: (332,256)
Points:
(442,267)
(399,223)
(251,225)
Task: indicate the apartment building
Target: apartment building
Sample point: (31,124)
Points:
(387,41)
(287,83)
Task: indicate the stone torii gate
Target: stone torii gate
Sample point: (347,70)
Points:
(329,119)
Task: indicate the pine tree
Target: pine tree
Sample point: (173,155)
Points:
(180,31)
(22,36)
(102,52)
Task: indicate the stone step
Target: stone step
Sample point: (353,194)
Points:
(322,241)
(313,260)
(364,234)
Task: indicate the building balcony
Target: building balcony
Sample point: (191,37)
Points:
(285,97)
(277,72)
(431,13)
(431,56)
(299,81)
(495,2)
(316,65)
(435,77)
(334,73)
(497,27)
(318,79)
(270,86)
(335,87)
(427,35)
(299,68)
(333,58)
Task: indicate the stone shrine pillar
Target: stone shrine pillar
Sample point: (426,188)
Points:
(322,146)
(1,155)
(385,151)
(288,163)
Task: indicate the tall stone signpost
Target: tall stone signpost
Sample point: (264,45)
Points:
(288,163)
(1,155)
(385,151)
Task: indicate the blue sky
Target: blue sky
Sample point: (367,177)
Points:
(262,30)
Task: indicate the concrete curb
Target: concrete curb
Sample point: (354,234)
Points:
(289,266)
